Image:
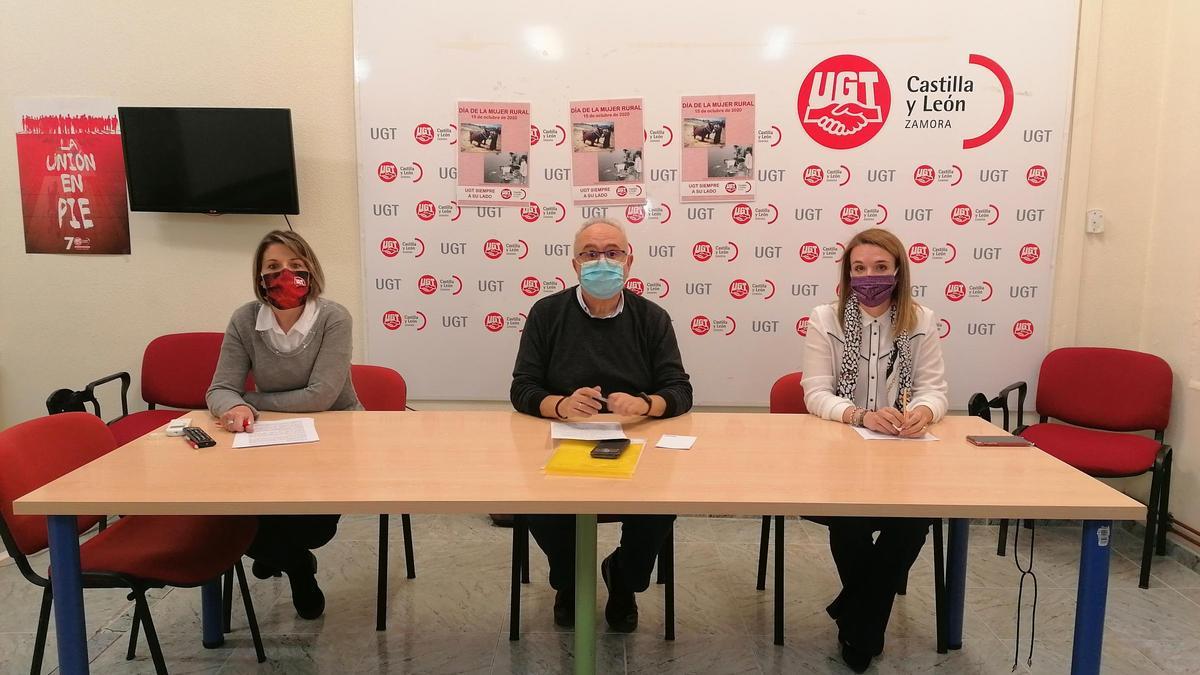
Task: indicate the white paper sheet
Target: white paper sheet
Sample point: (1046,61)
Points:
(673,442)
(876,436)
(278,432)
(586,431)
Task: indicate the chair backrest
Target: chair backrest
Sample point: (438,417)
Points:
(35,453)
(68,400)
(1103,388)
(379,388)
(787,395)
(177,369)
(977,406)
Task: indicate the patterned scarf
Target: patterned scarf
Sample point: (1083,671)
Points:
(901,351)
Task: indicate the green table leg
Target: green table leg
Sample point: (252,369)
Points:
(585,594)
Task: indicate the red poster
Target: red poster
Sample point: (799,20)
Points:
(72,177)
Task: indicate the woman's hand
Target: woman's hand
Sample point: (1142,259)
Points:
(892,418)
(876,421)
(582,403)
(915,421)
(238,418)
(625,404)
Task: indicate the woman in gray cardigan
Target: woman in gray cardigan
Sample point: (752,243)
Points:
(297,345)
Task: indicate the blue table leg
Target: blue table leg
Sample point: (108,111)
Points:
(210,614)
(956,581)
(1092,597)
(67,584)
(585,594)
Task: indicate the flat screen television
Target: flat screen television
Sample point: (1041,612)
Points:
(210,160)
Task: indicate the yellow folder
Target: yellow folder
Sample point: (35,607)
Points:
(573,458)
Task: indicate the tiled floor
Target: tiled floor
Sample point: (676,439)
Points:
(453,617)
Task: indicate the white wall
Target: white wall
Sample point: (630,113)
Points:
(68,319)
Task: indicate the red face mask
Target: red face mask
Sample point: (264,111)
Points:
(285,289)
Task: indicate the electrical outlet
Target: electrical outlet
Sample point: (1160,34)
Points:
(1095,221)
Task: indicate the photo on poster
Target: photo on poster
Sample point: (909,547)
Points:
(623,166)
(507,168)
(703,131)
(593,136)
(732,161)
(479,138)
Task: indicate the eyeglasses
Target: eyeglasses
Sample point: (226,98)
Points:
(615,255)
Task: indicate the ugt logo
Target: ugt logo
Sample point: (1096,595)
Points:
(844,101)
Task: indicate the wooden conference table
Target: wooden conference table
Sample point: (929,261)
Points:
(481,462)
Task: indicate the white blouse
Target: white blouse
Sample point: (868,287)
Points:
(288,342)
(878,375)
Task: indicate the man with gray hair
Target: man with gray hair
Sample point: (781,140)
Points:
(590,349)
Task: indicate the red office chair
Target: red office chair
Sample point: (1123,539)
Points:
(1098,393)
(177,370)
(787,396)
(136,552)
(381,388)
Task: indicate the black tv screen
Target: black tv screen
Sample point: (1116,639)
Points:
(210,160)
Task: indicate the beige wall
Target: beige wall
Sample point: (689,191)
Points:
(68,319)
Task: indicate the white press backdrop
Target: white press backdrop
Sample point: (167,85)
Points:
(982,277)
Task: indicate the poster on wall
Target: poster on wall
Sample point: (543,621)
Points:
(957,146)
(717,148)
(606,151)
(72,176)
(493,153)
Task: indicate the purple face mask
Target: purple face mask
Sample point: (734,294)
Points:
(873,290)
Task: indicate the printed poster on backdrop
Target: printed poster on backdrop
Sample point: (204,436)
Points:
(72,176)
(493,153)
(717,149)
(606,152)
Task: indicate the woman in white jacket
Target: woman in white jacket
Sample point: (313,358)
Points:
(873,359)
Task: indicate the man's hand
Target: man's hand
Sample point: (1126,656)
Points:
(625,404)
(915,421)
(582,403)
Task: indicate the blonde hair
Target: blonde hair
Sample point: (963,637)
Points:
(906,309)
(303,251)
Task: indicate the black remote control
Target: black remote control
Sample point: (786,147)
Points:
(198,438)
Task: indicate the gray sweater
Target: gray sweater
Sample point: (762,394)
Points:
(313,378)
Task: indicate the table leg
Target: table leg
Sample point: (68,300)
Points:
(67,584)
(956,580)
(585,594)
(210,614)
(1092,596)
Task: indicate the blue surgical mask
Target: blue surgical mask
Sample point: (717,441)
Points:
(602,278)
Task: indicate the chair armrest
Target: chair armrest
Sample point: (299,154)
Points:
(1001,402)
(125,381)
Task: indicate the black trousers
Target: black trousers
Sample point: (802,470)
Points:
(284,541)
(642,537)
(870,572)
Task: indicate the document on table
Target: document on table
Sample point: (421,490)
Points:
(586,431)
(673,442)
(278,432)
(876,436)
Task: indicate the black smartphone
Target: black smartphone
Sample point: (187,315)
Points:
(999,441)
(610,449)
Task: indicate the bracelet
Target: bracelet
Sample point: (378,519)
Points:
(649,404)
(556,413)
(856,419)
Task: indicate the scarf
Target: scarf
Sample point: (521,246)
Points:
(901,352)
